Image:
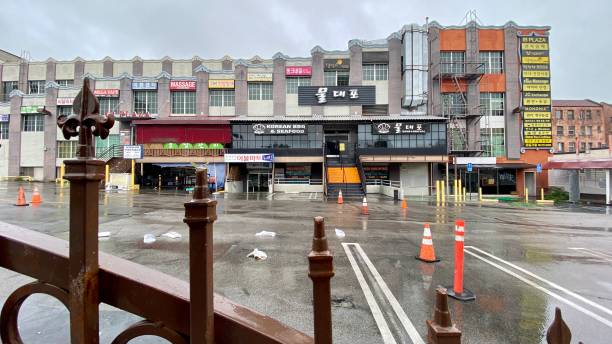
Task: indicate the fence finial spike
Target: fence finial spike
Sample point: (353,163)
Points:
(558,332)
(200,191)
(441,313)
(319,240)
(441,328)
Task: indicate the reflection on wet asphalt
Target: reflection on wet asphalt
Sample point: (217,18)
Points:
(568,246)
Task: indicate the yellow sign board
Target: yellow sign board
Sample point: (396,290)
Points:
(536,74)
(536,115)
(536,101)
(537,125)
(341,147)
(261,77)
(535,59)
(538,140)
(536,87)
(534,46)
(220,83)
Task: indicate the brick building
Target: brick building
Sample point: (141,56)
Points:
(583,121)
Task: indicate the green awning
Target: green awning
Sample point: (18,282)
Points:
(170,145)
(200,146)
(185,145)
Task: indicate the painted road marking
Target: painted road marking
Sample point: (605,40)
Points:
(552,284)
(542,289)
(376,312)
(399,312)
(598,254)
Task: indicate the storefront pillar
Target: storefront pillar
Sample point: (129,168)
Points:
(609,187)
(574,186)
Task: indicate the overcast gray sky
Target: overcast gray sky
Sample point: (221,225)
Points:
(581,38)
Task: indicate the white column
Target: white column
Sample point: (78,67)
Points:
(609,187)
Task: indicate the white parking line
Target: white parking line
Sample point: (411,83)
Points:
(597,254)
(376,312)
(552,284)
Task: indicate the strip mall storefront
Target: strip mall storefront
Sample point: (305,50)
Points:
(171,146)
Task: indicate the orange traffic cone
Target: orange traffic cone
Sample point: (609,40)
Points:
(21,198)
(404,204)
(36,196)
(364,206)
(427,253)
(340,199)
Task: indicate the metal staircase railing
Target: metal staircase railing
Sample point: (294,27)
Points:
(113,151)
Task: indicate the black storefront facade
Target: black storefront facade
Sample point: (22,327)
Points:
(289,154)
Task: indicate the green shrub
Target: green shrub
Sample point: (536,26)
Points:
(557,194)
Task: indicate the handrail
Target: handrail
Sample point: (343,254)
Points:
(300,181)
(45,258)
(361,171)
(384,182)
(113,151)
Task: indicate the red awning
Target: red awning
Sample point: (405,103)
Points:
(578,164)
(192,133)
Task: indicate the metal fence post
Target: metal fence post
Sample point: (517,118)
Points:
(441,330)
(200,213)
(321,270)
(558,332)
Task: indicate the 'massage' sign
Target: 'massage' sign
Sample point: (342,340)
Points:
(279,129)
(397,128)
(336,95)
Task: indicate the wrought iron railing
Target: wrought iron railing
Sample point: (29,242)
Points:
(298,181)
(113,151)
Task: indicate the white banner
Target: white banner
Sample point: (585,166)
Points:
(266,157)
(132,152)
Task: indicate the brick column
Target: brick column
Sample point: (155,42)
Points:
(279,85)
(356,73)
(513,95)
(14,150)
(137,66)
(395,74)
(125,94)
(50,136)
(167,65)
(107,69)
(202,76)
(79,70)
(473,92)
(23,77)
(317,78)
(163,97)
(241,89)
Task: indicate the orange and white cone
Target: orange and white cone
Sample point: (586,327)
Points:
(36,196)
(340,198)
(364,207)
(404,204)
(427,253)
(21,201)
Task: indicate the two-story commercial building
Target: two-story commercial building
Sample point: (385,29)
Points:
(394,111)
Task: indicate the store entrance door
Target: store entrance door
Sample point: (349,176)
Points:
(336,142)
(259,181)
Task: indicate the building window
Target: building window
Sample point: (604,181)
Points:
(588,114)
(571,146)
(64,111)
(294,82)
(434,138)
(581,115)
(7,88)
(559,130)
(453,104)
(452,61)
(492,104)
(589,130)
(32,122)
(36,86)
(590,145)
(244,137)
(145,102)
(570,115)
(582,130)
(597,114)
(4,132)
(65,83)
(492,62)
(183,103)
(560,147)
(108,104)
(67,149)
(260,91)
(336,78)
(559,114)
(583,146)
(571,130)
(222,97)
(599,128)
(492,141)
(375,71)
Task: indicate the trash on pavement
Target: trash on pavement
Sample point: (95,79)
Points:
(340,233)
(258,255)
(104,234)
(172,235)
(149,238)
(266,234)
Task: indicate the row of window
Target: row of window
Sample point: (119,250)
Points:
(571,146)
(435,137)
(489,62)
(582,114)
(571,130)
(491,104)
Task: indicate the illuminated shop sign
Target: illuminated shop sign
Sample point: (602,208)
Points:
(337,95)
(144,85)
(279,129)
(182,85)
(220,83)
(246,158)
(265,77)
(336,64)
(4,118)
(65,101)
(126,115)
(398,128)
(298,71)
(107,92)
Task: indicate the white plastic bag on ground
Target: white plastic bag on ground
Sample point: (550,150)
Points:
(258,255)
(172,235)
(340,233)
(104,234)
(266,234)
(149,238)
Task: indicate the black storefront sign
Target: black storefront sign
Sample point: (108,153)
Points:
(336,95)
(398,128)
(279,129)
(337,64)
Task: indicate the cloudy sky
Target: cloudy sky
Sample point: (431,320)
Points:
(581,39)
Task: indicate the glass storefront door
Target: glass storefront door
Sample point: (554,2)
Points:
(259,181)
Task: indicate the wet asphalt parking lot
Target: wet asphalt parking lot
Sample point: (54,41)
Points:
(520,262)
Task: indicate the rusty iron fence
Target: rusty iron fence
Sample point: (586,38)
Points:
(81,277)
